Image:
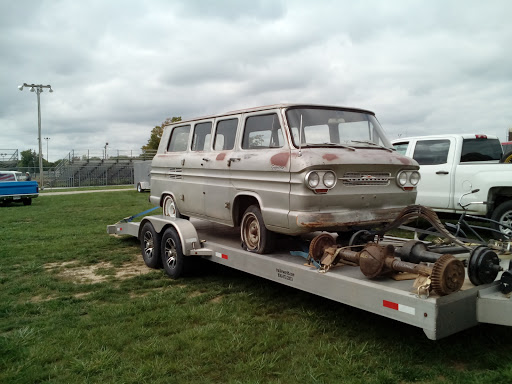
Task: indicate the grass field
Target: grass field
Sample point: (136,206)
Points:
(79,306)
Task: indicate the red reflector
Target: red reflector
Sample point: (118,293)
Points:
(481,136)
(408,188)
(390,304)
(321,190)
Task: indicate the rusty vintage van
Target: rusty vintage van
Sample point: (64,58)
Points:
(287,168)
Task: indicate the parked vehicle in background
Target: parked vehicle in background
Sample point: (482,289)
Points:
(507,152)
(287,168)
(452,165)
(14,186)
(142,175)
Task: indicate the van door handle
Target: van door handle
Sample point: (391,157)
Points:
(205,159)
(441,172)
(233,159)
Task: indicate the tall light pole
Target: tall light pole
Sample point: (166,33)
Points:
(47,158)
(38,88)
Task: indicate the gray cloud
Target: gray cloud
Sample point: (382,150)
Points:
(121,67)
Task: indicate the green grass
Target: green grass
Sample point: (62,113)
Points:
(217,326)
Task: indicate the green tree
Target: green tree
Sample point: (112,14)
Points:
(28,158)
(156,134)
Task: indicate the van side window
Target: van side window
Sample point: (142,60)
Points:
(431,152)
(179,139)
(225,135)
(262,131)
(202,136)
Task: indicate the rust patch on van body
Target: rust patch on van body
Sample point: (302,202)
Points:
(281,159)
(220,156)
(330,157)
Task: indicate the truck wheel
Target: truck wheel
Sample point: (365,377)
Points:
(150,246)
(255,236)
(27,201)
(503,215)
(506,158)
(173,260)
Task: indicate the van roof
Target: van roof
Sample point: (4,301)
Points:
(269,107)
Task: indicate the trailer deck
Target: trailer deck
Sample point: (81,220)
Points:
(438,316)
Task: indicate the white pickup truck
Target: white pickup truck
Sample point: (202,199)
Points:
(451,165)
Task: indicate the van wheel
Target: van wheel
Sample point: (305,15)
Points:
(139,188)
(503,215)
(169,207)
(150,246)
(506,158)
(173,259)
(255,236)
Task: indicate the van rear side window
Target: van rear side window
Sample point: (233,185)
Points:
(262,131)
(179,139)
(202,136)
(225,135)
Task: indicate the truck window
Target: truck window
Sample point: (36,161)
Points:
(202,136)
(480,150)
(225,135)
(262,131)
(7,177)
(179,139)
(401,148)
(431,152)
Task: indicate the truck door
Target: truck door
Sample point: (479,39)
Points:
(435,157)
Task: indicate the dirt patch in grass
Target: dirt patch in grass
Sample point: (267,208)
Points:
(92,274)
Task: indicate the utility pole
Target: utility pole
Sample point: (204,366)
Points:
(38,88)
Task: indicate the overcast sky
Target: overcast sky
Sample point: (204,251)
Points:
(118,68)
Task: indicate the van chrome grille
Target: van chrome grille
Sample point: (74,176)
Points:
(353,179)
(175,173)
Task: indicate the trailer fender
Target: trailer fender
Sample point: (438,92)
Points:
(186,230)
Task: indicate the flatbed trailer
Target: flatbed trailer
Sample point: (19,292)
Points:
(438,316)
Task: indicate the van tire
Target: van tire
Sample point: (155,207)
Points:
(506,158)
(139,188)
(173,259)
(150,246)
(502,214)
(170,208)
(255,236)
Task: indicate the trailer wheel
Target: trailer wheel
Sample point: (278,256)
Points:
(139,188)
(255,236)
(27,201)
(150,246)
(173,259)
(503,215)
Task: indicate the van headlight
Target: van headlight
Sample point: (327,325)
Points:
(320,181)
(329,179)
(407,180)
(312,180)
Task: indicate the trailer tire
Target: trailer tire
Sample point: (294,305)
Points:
(27,201)
(255,236)
(150,246)
(139,188)
(173,259)
(502,214)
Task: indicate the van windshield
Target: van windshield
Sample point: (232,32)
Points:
(320,126)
